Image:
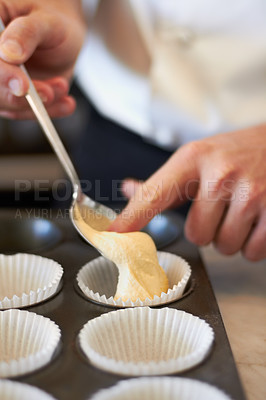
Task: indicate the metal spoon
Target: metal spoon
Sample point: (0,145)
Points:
(78,198)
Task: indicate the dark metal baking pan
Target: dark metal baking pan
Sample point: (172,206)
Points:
(70,376)
(25,234)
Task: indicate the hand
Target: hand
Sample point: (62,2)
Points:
(47,36)
(225,175)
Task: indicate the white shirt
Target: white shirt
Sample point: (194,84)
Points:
(208,74)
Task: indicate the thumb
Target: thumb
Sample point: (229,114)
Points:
(167,186)
(24,34)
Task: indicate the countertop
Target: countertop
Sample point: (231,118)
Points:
(240,288)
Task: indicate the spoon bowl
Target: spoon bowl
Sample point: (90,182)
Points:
(97,215)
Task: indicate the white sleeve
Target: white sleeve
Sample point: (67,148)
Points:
(89,8)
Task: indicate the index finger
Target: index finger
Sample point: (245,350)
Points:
(172,184)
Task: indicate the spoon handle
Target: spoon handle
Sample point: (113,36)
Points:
(45,122)
(48,127)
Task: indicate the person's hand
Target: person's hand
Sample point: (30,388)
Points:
(225,175)
(46,35)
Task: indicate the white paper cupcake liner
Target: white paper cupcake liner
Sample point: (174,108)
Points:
(10,390)
(27,279)
(98,281)
(146,341)
(161,388)
(28,342)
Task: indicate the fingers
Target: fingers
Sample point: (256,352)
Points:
(167,186)
(204,216)
(60,87)
(63,108)
(14,86)
(237,223)
(24,34)
(255,247)
(228,221)
(53,90)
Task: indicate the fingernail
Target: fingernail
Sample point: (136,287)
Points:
(15,87)
(11,49)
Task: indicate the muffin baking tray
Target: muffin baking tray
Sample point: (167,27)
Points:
(69,375)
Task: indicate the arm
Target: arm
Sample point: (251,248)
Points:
(225,175)
(47,36)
